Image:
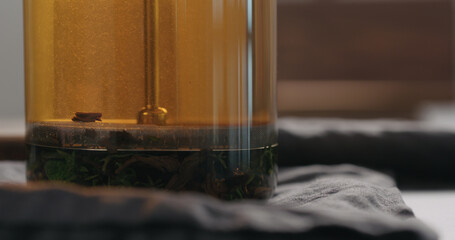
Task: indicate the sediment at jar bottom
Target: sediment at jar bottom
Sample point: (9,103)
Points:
(230,175)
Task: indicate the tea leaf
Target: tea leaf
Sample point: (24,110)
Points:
(250,180)
(59,171)
(91,177)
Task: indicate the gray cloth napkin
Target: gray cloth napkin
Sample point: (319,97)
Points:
(315,202)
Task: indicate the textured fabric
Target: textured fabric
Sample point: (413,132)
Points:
(316,202)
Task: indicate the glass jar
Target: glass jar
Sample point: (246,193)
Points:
(171,94)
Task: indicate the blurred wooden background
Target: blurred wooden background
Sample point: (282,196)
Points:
(363,57)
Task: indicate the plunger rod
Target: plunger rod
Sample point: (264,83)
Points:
(151,32)
(152,113)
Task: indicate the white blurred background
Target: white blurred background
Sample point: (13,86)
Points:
(11,68)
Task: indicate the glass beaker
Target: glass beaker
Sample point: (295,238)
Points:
(172,94)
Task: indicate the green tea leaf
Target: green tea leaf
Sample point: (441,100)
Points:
(62,169)
(83,169)
(250,180)
(223,162)
(91,177)
(58,171)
